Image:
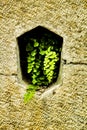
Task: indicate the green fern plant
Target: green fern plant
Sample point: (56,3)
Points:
(31,89)
(49,63)
(42,58)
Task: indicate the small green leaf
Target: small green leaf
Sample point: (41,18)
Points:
(34,70)
(33,53)
(42,52)
(34,81)
(29,70)
(36,44)
(37,66)
(28,96)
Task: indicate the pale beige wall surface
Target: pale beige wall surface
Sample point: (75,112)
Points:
(66,108)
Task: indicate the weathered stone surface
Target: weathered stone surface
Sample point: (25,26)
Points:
(64,110)
(67,19)
(66,107)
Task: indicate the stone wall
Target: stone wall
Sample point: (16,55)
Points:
(64,108)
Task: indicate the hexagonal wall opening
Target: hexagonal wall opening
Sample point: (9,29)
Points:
(40,56)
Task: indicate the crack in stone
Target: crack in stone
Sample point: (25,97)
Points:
(77,63)
(8,74)
(63,61)
(72,63)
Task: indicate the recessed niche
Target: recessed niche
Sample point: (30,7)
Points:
(40,56)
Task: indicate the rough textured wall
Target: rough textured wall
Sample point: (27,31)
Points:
(66,108)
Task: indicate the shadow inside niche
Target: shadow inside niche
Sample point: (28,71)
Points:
(37,33)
